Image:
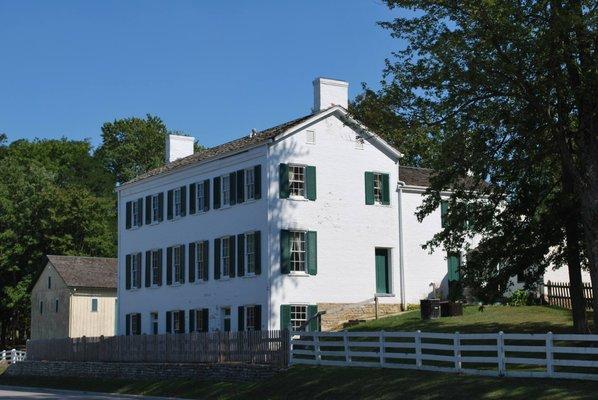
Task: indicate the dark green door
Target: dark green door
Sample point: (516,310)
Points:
(382,275)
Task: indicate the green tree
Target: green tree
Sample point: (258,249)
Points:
(510,89)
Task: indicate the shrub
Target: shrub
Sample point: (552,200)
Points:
(520,298)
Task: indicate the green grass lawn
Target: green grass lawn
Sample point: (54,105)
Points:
(540,319)
(339,383)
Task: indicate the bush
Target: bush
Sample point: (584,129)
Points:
(520,298)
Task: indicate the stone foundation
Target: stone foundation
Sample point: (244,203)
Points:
(339,313)
(143,371)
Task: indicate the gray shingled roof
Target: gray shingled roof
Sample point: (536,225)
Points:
(228,148)
(414,176)
(91,272)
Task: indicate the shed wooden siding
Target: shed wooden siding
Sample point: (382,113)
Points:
(50,324)
(86,323)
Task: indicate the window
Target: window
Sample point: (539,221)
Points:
(225,256)
(297,180)
(297,251)
(226,319)
(249,184)
(134,324)
(177,322)
(56,305)
(250,252)
(155,208)
(178,202)
(178,267)
(310,137)
(251,318)
(298,317)
(156,270)
(377,188)
(225,190)
(200,260)
(154,321)
(200,196)
(135,275)
(94,305)
(41,307)
(49,282)
(135,213)
(200,318)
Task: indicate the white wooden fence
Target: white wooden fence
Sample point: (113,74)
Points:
(494,354)
(12,356)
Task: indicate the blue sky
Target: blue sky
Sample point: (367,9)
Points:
(213,70)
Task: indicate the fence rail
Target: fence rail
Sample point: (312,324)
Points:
(12,356)
(492,354)
(253,347)
(559,294)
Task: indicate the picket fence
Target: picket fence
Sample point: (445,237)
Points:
(559,294)
(252,347)
(569,356)
(12,356)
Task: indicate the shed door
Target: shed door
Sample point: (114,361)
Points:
(382,273)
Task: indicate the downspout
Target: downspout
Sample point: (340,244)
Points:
(400,185)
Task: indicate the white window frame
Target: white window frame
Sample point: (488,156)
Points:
(155,267)
(155,208)
(177,201)
(200,248)
(299,256)
(154,322)
(176,320)
(225,256)
(377,187)
(132,324)
(297,187)
(249,177)
(177,268)
(225,190)
(134,214)
(249,327)
(95,301)
(134,266)
(298,310)
(198,320)
(225,317)
(250,257)
(199,197)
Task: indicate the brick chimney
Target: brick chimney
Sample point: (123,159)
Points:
(178,146)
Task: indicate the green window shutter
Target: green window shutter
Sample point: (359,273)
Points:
(443,212)
(182,252)
(148,268)
(241,318)
(369,188)
(128,324)
(205,316)
(258,317)
(191,320)
(310,177)
(140,211)
(183,200)
(169,206)
(240,186)
(182,319)
(216,258)
(241,255)
(231,256)
(168,321)
(128,271)
(258,252)
(206,194)
(128,215)
(285,251)
(148,210)
(160,267)
(285,317)
(232,186)
(206,262)
(312,252)
(216,192)
(385,189)
(139,266)
(169,266)
(283,176)
(192,262)
(313,324)
(192,198)
(453,260)
(161,207)
(257,182)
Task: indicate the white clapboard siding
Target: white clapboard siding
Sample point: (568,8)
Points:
(498,354)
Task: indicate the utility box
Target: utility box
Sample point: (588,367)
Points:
(430,309)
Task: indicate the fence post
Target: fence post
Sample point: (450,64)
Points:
(13,356)
(346,347)
(418,349)
(457,351)
(382,348)
(549,355)
(500,350)
(549,295)
(317,347)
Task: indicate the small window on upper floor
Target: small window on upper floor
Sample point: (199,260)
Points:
(297,180)
(56,305)
(135,213)
(41,307)
(155,208)
(49,282)
(249,184)
(94,305)
(377,188)
(225,190)
(178,202)
(310,137)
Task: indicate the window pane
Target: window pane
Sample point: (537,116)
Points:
(298,317)
(226,189)
(298,251)
(297,180)
(249,184)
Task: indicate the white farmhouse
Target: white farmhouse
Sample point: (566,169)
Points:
(264,232)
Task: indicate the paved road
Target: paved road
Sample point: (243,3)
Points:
(9,393)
